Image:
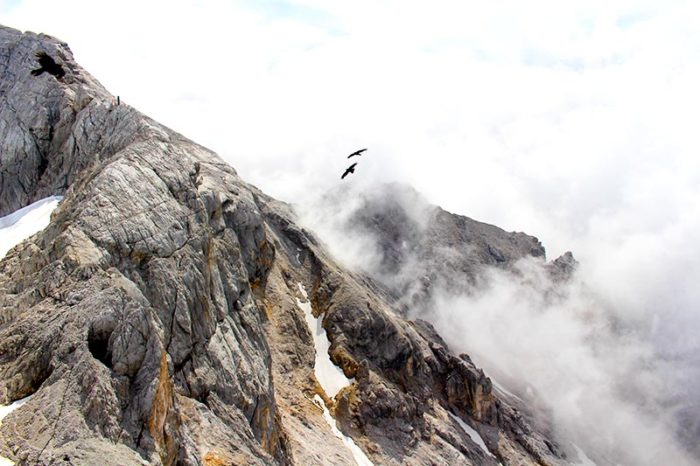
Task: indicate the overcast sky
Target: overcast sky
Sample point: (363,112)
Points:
(568,120)
(574,121)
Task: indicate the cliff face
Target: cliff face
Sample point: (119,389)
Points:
(156,319)
(421,246)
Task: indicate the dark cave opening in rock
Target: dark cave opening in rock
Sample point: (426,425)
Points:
(98,344)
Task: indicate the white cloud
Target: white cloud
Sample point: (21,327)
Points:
(603,378)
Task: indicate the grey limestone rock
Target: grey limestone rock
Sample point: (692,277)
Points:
(133,312)
(155,320)
(562,268)
(422,247)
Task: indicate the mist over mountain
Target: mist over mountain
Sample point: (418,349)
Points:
(172,313)
(543,329)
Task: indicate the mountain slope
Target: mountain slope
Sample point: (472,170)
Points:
(156,319)
(416,246)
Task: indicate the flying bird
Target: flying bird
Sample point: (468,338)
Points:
(357,152)
(49,65)
(350,169)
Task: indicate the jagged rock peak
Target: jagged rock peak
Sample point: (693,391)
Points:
(156,320)
(421,246)
(50,129)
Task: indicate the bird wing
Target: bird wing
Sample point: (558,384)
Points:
(357,152)
(350,169)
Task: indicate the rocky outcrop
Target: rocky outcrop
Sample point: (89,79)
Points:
(421,248)
(562,268)
(133,313)
(155,321)
(406,379)
(51,130)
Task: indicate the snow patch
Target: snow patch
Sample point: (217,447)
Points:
(583,459)
(357,453)
(24,222)
(4,411)
(330,376)
(14,228)
(7,409)
(473,434)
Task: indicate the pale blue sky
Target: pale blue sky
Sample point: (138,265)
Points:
(7,6)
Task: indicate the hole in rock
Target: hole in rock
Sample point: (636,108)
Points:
(98,343)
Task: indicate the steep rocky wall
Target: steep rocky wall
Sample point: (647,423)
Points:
(132,313)
(406,380)
(154,320)
(50,130)
(422,248)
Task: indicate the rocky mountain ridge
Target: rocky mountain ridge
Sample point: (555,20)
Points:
(155,320)
(416,247)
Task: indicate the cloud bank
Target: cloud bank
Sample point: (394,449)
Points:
(612,369)
(602,379)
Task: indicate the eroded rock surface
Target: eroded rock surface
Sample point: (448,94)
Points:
(155,321)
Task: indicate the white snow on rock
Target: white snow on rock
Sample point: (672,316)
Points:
(360,458)
(7,409)
(14,228)
(330,376)
(473,434)
(24,222)
(4,411)
(583,459)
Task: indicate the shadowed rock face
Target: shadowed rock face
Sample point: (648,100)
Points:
(155,321)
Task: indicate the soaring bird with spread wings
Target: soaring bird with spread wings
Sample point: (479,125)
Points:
(357,152)
(49,65)
(350,169)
